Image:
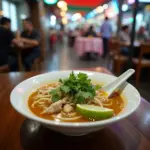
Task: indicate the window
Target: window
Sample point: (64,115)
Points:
(10,11)
(5,8)
(13,16)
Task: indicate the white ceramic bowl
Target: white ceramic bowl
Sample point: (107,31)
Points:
(21,92)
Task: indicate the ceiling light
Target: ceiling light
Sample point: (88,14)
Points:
(99,9)
(105,6)
(125,7)
(76,16)
(53,17)
(64,8)
(50,2)
(62,4)
(64,20)
(53,20)
(62,13)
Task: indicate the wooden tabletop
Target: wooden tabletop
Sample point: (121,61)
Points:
(19,133)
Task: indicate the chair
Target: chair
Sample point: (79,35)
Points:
(141,62)
(114,54)
(37,64)
(119,61)
(4,69)
(113,47)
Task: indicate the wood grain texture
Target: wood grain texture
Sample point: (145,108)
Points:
(19,133)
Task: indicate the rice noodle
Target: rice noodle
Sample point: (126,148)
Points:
(41,100)
(59,116)
(42,96)
(98,103)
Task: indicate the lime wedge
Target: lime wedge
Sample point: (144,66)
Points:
(94,112)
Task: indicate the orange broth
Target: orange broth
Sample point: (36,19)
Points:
(117,106)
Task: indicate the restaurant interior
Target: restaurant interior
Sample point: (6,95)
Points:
(75,74)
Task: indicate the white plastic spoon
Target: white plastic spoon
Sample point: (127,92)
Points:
(111,87)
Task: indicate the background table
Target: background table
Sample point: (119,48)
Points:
(84,45)
(19,133)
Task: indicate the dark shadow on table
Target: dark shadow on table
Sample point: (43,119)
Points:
(89,56)
(33,136)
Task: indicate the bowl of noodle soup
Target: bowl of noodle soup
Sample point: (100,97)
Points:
(60,101)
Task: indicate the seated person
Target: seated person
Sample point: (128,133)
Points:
(125,39)
(124,36)
(31,44)
(6,39)
(90,32)
(142,35)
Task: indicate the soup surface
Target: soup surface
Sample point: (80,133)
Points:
(115,102)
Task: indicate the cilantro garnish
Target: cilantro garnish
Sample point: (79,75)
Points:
(77,86)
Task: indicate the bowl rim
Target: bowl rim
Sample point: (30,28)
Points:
(74,124)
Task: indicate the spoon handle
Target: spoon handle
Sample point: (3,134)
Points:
(110,88)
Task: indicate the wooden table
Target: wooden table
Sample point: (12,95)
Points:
(18,52)
(19,133)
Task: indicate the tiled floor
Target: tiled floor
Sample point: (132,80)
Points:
(64,58)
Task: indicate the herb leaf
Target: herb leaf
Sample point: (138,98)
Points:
(53,92)
(65,89)
(77,86)
(56,98)
(55,95)
(82,96)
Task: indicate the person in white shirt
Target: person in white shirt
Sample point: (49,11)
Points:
(125,39)
(124,36)
(142,35)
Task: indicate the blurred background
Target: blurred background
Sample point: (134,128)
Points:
(47,35)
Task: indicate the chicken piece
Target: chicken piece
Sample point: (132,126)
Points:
(55,107)
(97,102)
(68,108)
